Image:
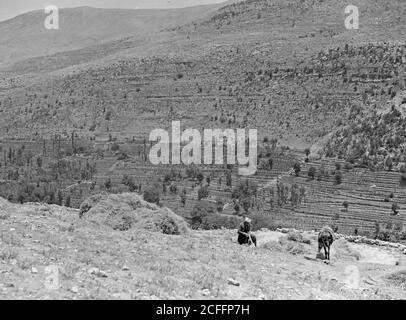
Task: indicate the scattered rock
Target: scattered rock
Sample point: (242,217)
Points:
(233,282)
(97,272)
(102,274)
(93,271)
(368,281)
(75,289)
(34,270)
(307,257)
(206,292)
(125,268)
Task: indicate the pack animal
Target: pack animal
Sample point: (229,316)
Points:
(326,239)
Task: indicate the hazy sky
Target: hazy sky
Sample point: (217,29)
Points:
(12,8)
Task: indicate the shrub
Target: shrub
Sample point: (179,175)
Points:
(203,193)
(237,209)
(338,177)
(297,168)
(67,201)
(228,179)
(183,197)
(122,156)
(200,212)
(338,166)
(245,189)
(403,178)
(107,184)
(348,166)
(270,163)
(219,204)
(169,226)
(151,194)
(312,172)
(200,177)
(115,147)
(395,208)
(345,205)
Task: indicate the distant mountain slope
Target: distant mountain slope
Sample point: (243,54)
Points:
(25,36)
(284,67)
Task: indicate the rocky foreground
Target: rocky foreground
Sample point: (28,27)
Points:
(48,252)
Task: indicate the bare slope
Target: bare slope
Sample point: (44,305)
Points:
(25,35)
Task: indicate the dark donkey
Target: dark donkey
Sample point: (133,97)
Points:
(326,239)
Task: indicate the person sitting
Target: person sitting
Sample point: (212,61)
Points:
(244,233)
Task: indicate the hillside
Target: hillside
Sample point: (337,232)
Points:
(96,262)
(275,73)
(26,37)
(75,123)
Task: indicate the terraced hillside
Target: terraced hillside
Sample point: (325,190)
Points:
(369,195)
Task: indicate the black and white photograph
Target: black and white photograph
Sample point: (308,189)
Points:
(174,151)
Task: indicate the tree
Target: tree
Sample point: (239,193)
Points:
(60,197)
(312,173)
(228,179)
(183,197)
(208,180)
(246,204)
(202,193)
(245,189)
(338,176)
(403,178)
(67,201)
(173,188)
(395,208)
(270,163)
(200,177)
(219,204)
(389,163)
(237,208)
(39,162)
(307,152)
(294,195)
(297,168)
(21,197)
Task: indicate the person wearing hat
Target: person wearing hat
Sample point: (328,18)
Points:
(244,233)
